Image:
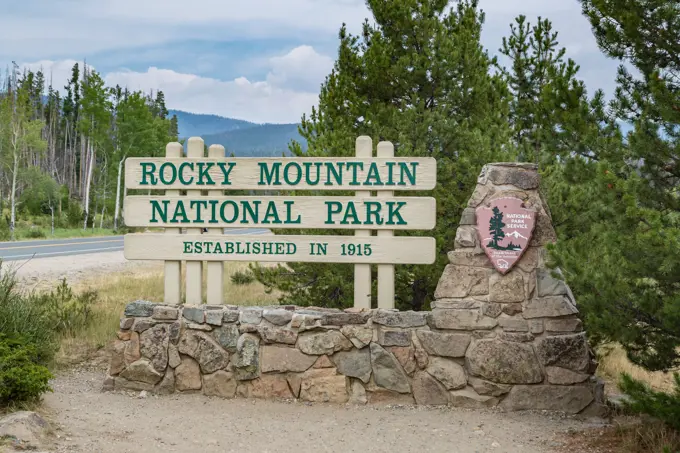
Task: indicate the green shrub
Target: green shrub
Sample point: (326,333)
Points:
(74,215)
(22,378)
(242,278)
(644,400)
(35,233)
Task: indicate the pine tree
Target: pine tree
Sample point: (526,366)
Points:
(496,228)
(418,77)
(624,266)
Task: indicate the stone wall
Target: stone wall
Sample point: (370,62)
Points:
(512,340)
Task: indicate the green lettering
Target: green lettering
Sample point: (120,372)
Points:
(198,204)
(218,248)
(268,176)
(292,248)
(330,168)
(156,209)
(355,167)
(286,174)
(213,211)
(350,211)
(203,169)
(229,248)
(254,215)
(390,173)
(180,211)
(334,207)
(267,249)
(207,245)
(271,212)
(198,247)
(395,212)
(182,166)
(148,172)
(279,248)
(373,173)
(235,208)
(226,171)
(308,171)
(173,173)
(373,209)
(187,247)
(404,171)
(256,248)
(289,214)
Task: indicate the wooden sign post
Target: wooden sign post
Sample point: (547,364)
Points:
(207,204)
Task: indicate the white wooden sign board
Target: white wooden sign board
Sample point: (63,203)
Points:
(255,173)
(397,213)
(281,248)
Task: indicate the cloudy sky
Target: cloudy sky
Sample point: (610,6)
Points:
(258,60)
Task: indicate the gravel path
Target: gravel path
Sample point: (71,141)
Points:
(88,420)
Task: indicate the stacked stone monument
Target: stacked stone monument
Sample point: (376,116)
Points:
(510,338)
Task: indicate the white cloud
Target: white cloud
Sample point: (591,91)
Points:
(58,72)
(301,68)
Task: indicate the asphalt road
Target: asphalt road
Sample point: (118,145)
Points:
(11,251)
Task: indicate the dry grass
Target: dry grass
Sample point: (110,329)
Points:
(613,362)
(116,290)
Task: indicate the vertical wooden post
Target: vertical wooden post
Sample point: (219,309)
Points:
(215,288)
(362,272)
(385,271)
(173,269)
(194,284)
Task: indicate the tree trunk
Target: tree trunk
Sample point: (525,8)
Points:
(15,168)
(117,210)
(88,179)
(101,220)
(52,212)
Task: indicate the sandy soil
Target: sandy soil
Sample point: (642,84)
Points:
(87,420)
(42,273)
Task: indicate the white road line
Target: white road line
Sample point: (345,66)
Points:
(38,255)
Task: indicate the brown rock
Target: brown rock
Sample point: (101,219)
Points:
(492,310)
(448,372)
(419,351)
(514,324)
(382,396)
(522,178)
(319,343)
(562,376)
(462,281)
(428,391)
(142,324)
(246,361)
(548,285)
(220,383)
(483,387)
(188,375)
(227,336)
(458,304)
(164,313)
(406,357)
(461,319)
(479,194)
(563,325)
(444,344)
(173,356)
(468,398)
(544,233)
(570,399)
(536,326)
(167,385)
(277,334)
(132,353)
(141,371)
(394,337)
(124,335)
(120,383)
(278,316)
(512,309)
(323,386)
(117,363)
(154,346)
(267,386)
(359,336)
(468,217)
(522,337)
(466,236)
(549,307)
(503,362)
(387,372)
(506,288)
(323,362)
(294,382)
(281,358)
(204,348)
(529,260)
(357,393)
(566,351)
(126,323)
(470,257)
(390,318)
(354,363)
(343,319)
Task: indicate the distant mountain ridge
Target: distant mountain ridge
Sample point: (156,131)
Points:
(243,138)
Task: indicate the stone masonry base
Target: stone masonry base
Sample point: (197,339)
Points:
(375,356)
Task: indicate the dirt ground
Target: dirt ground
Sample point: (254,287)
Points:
(87,420)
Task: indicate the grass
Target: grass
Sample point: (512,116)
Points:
(613,362)
(29,234)
(116,290)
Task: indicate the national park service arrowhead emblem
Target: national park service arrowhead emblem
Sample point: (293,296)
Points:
(505,229)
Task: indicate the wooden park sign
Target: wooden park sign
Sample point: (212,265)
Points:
(217,210)
(505,229)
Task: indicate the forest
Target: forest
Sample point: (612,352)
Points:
(62,149)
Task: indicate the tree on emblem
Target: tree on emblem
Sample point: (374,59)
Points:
(496,229)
